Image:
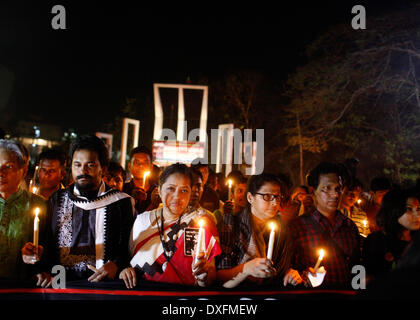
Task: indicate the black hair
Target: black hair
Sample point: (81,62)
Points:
(196,173)
(53,154)
(235,175)
(392,208)
(323,168)
(141,149)
(91,143)
(257,181)
(114,168)
(354,183)
(199,163)
(380,183)
(179,168)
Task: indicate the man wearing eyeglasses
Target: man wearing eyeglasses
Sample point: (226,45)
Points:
(326,228)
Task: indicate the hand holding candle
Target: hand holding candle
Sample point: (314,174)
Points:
(365,224)
(321,256)
(200,239)
(144,178)
(271,241)
(230,189)
(36,231)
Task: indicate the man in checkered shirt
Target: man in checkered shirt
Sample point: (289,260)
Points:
(326,228)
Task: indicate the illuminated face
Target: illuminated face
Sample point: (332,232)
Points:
(50,173)
(239,194)
(350,197)
(175,193)
(10,173)
(196,191)
(86,170)
(115,181)
(139,164)
(328,193)
(411,218)
(264,209)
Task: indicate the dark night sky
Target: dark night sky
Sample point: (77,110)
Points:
(79,77)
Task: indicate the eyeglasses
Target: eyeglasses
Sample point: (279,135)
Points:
(270,197)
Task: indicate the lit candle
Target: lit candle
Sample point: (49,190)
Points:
(359,201)
(271,241)
(36,230)
(321,256)
(144,178)
(365,224)
(230,189)
(34,190)
(200,240)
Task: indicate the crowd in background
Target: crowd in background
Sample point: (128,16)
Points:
(104,222)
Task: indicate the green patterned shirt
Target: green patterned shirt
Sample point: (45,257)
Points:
(16,228)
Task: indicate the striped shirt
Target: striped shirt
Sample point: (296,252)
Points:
(311,232)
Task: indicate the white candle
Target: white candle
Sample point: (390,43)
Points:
(230,189)
(271,242)
(144,178)
(321,256)
(200,240)
(36,230)
(365,223)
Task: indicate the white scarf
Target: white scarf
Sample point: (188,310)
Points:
(105,198)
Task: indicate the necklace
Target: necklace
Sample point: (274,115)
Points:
(169,247)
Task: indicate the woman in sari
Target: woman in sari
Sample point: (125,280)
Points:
(157,240)
(245,238)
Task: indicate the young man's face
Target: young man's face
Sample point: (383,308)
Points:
(239,194)
(86,170)
(350,197)
(50,173)
(139,164)
(115,180)
(10,173)
(328,192)
(196,191)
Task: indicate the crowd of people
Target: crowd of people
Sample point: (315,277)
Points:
(102,222)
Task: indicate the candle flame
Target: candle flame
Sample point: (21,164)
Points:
(36,212)
(230,183)
(146,174)
(365,223)
(272,226)
(359,201)
(201,223)
(321,254)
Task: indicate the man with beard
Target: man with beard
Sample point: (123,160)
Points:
(326,228)
(90,222)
